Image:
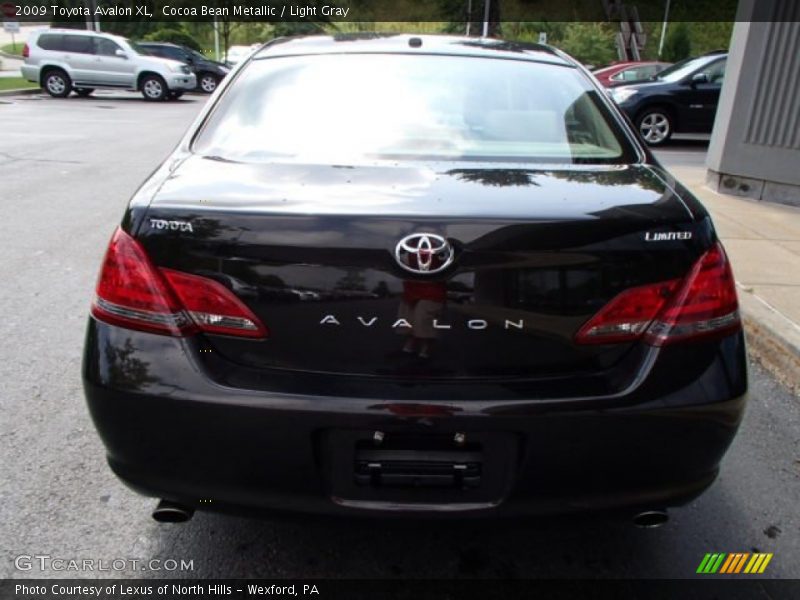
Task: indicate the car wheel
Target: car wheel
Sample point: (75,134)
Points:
(154,88)
(208,82)
(57,83)
(655,126)
(84,92)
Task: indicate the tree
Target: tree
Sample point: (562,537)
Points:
(174,36)
(710,35)
(131,28)
(289,28)
(678,45)
(457,12)
(225,27)
(590,43)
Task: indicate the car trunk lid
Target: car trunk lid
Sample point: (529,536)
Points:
(311,250)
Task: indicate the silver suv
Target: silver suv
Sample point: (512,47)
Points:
(63,60)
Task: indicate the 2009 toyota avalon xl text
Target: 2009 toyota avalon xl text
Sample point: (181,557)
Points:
(401,275)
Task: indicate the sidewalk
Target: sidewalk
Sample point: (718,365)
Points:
(9,67)
(763,241)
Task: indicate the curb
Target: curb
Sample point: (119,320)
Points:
(20,91)
(10,56)
(772,339)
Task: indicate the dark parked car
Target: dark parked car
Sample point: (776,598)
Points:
(507,306)
(209,72)
(680,99)
(622,73)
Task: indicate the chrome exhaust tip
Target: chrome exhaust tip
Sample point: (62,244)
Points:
(650,519)
(172,512)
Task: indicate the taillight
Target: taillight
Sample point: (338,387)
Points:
(133,293)
(213,307)
(26,52)
(628,315)
(704,303)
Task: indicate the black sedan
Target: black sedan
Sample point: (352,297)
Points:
(431,276)
(682,98)
(209,72)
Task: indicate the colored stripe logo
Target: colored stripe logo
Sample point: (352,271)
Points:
(734,563)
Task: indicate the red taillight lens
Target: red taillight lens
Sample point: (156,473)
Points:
(704,303)
(628,315)
(26,52)
(133,293)
(213,307)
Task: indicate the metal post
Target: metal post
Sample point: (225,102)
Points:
(486,6)
(663,29)
(216,40)
(91,22)
(469,15)
(95,16)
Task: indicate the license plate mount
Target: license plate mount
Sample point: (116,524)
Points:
(400,468)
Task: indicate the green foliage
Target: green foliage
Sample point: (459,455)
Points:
(710,35)
(289,28)
(130,29)
(174,36)
(16,83)
(252,33)
(528,31)
(590,43)
(678,44)
(388,27)
(704,36)
(15,49)
(69,23)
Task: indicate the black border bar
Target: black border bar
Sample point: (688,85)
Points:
(444,11)
(729,588)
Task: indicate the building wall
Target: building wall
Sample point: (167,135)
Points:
(755,147)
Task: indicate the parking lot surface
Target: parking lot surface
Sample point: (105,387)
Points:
(67,170)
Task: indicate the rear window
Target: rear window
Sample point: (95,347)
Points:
(81,44)
(350,107)
(684,68)
(50,42)
(636,73)
(165,51)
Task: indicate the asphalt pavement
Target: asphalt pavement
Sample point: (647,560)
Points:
(67,170)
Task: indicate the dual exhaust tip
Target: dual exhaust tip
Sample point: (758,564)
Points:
(173,512)
(650,519)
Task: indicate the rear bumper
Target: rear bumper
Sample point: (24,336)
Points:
(172,432)
(182,81)
(30,73)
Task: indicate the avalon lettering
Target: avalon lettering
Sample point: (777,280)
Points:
(475,324)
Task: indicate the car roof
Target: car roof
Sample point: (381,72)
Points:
(377,43)
(63,30)
(706,59)
(621,66)
(148,43)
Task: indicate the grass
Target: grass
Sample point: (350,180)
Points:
(15,49)
(15,83)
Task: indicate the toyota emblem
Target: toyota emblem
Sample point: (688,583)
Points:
(424,253)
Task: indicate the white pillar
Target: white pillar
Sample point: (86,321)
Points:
(755,145)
